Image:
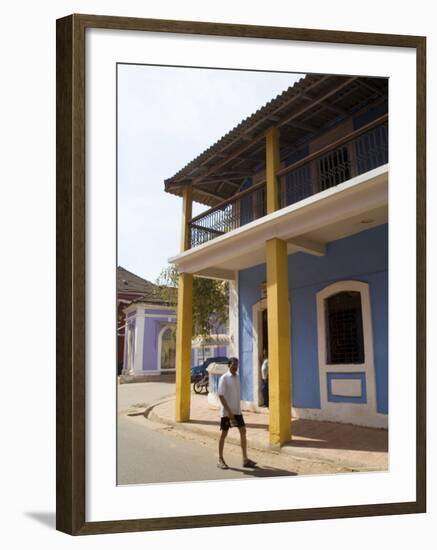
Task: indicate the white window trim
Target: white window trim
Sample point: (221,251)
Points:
(257,310)
(359,413)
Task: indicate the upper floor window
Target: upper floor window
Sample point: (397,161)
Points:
(344,328)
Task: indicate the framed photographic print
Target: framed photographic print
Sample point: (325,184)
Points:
(240,274)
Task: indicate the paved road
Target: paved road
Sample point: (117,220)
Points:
(153,453)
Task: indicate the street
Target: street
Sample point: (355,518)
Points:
(152,453)
(149,452)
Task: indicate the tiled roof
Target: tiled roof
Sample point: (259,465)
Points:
(135,287)
(304,110)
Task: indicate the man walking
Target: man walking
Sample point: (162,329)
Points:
(230,411)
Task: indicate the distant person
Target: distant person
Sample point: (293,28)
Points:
(265,378)
(230,412)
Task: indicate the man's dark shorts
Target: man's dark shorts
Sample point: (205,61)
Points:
(225,422)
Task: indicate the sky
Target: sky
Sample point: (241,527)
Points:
(166,117)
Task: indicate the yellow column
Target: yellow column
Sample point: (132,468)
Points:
(183,347)
(278,323)
(187,209)
(184,320)
(272,167)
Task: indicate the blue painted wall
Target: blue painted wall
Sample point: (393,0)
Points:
(150,346)
(152,328)
(363,257)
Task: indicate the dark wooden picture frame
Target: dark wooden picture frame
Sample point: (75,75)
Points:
(71,246)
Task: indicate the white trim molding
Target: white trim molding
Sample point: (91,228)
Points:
(378,421)
(355,413)
(139,307)
(128,368)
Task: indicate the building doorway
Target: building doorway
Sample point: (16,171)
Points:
(265,332)
(260,342)
(264,349)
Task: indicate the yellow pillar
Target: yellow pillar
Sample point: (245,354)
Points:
(272,167)
(187,209)
(278,323)
(183,347)
(184,320)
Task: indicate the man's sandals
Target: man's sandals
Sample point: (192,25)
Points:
(246,464)
(222,464)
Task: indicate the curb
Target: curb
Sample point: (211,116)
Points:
(142,409)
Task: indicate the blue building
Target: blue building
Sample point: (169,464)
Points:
(147,331)
(298,223)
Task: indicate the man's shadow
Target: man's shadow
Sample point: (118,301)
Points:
(260,471)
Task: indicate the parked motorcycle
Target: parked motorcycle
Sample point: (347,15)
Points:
(202,385)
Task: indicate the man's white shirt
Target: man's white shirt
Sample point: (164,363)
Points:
(265,369)
(229,388)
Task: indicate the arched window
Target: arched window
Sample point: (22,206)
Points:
(344,328)
(168,348)
(345,350)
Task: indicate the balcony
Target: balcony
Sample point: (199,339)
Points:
(355,154)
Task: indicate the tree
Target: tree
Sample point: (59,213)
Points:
(210,301)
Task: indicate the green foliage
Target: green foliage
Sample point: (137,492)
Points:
(210,300)
(167,285)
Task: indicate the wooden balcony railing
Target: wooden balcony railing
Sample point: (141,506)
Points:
(357,153)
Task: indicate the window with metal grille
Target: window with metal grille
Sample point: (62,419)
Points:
(344,328)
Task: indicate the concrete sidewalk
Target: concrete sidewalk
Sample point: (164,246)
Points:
(351,447)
